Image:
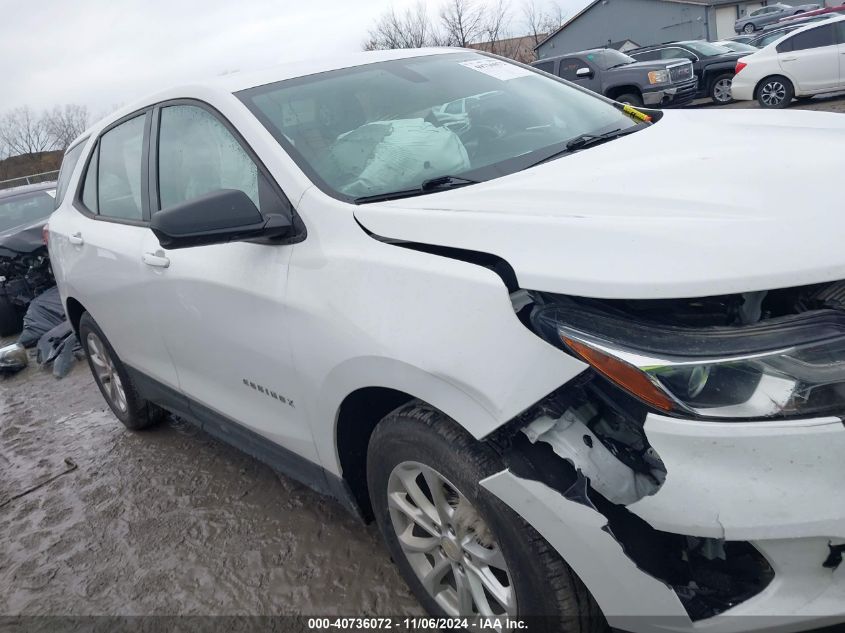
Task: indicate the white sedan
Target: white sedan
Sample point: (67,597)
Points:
(803,63)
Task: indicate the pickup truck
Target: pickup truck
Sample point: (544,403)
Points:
(622,78)
(714,66)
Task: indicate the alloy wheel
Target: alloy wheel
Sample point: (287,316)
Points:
(447,544)
(105,372)
(722,90)
(749,28)
(773,93)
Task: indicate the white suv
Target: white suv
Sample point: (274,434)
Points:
(579,361)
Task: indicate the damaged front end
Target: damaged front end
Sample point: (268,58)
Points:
(676,388)
(24,270)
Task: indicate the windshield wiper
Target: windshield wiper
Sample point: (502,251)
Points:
(427,186)
(584,141)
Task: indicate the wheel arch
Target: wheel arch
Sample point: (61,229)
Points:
(615,91)
(74,310)
(771,76)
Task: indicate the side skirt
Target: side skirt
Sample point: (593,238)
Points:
(225,429)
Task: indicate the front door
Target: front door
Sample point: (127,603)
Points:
(220,308)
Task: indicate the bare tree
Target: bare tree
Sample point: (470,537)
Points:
(411,29)
(64,124)
(23,132)
(541,22)
(495,27)
(462,22)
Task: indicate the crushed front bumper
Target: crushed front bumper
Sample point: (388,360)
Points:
(776,486)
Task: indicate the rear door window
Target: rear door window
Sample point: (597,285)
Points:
(814,38)
(113,184)
(546,67)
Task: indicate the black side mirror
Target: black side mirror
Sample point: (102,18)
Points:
(227,215)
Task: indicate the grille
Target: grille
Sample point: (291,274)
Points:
(681,72)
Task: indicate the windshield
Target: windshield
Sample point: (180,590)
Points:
(610,58)
(739,47)
(707,49)
(25,209)
(391,126)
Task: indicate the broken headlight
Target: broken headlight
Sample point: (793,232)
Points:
(789,366)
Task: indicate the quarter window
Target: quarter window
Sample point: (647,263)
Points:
(118,168)
(89,189)
(198,155)
(68,164)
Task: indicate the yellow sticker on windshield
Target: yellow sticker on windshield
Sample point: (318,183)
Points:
(636,113)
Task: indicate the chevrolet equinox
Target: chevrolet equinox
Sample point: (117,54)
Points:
(577,360)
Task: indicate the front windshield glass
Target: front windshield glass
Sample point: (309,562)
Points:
(611,58)
(707,49)
(24,209)
(392,126)
(739,47)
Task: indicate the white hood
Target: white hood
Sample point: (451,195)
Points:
(702,203)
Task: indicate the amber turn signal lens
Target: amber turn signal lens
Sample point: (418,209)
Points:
(629,378)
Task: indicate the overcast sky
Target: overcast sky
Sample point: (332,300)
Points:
(103,53)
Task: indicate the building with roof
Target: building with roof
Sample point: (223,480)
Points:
(605,22)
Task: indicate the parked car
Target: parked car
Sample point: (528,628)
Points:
(802,63)
(585,363)
(823,11)
(24,267)
(756,20)
(737,47)
(713,65)
(620,77)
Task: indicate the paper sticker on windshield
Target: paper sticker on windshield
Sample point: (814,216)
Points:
(498,69)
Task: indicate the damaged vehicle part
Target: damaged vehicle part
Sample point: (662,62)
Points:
(781,366)
(580,454)
(24,264)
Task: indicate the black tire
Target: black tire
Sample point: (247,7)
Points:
(631,98)
(11,318)
(775,92)
(749,28)
(717,89)
(543,583)
(137,414)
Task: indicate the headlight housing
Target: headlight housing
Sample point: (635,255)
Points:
(658,77)
(784,367)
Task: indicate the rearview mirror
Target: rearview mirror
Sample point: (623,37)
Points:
(583,72)
(226,215)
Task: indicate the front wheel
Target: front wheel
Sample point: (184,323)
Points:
(720,90)
(631,99)
(460,549)
(775,92)
(748,28)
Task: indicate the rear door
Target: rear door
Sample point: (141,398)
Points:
(96,239)
(811,58)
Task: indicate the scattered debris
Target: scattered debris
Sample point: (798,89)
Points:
(13,358)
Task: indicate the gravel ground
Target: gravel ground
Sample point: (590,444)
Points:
(170,521)
(832,103)
(167,521)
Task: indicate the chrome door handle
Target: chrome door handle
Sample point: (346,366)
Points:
(789,59)
(76,239)
(156,259)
